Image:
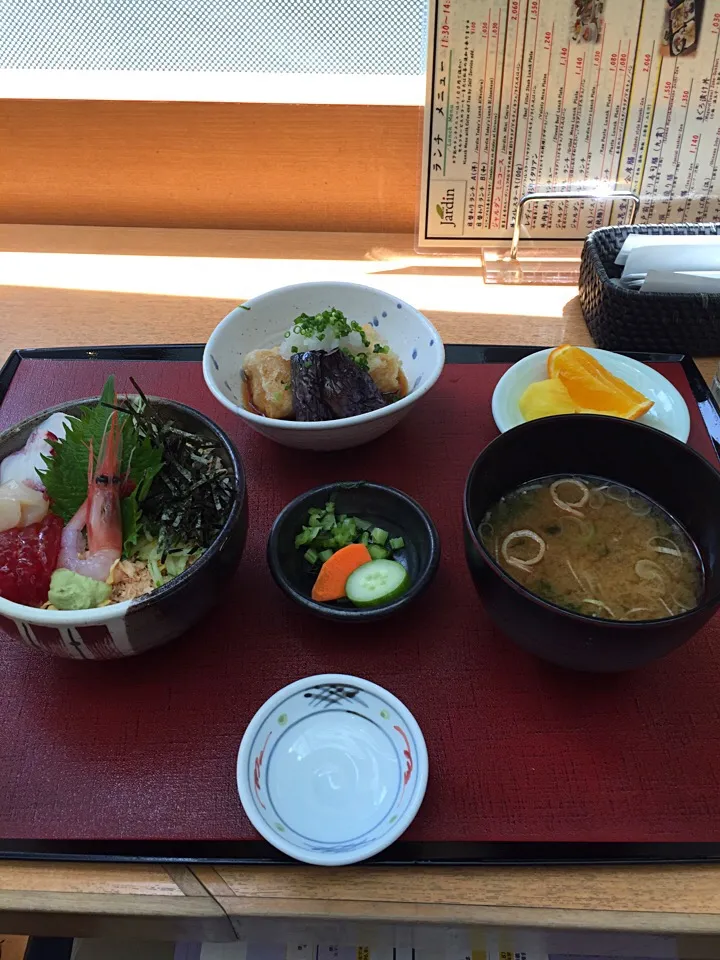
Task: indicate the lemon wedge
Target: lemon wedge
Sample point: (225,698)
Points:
(546,398)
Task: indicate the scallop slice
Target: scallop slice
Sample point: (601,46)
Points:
(10,514)
(32,505)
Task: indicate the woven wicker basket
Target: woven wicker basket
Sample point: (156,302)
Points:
(622,319)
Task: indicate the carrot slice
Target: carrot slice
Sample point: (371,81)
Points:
(334,573)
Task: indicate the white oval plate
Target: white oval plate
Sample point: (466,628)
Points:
(332,769)
(669,413)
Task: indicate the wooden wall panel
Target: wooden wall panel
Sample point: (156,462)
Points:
(237,166)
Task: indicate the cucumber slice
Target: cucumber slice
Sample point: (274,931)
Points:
(377,582)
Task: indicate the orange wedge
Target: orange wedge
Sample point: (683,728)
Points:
(592,388)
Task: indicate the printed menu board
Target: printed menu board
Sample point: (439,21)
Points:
(558,95)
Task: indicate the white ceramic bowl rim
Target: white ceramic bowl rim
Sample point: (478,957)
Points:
(63,618)
(405,401)
(246,745)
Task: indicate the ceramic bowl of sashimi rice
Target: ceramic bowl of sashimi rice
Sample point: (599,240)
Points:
(121,520)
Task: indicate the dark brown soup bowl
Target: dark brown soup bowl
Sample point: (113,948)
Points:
(669,472)
(134,626)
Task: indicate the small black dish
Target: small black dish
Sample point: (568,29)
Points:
(669,472)
(383,506)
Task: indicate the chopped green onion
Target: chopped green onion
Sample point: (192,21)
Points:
(307,535)
(345,532)
(327,531)
(377,552)
(328,522)
(334,320)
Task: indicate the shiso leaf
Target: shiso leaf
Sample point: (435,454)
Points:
(65,476)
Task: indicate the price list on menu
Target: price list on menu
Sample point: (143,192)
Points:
(560,95)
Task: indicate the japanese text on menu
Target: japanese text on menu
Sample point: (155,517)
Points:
(558,95)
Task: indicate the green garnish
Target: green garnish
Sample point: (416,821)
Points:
(377,552)
(130,515)
(164,565)
(337,323)
(307,326)
(307,536)
(360,358)
(381,348)
(178,559)
(326,531)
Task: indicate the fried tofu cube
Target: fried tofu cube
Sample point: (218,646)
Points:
(268,378)
(384,368)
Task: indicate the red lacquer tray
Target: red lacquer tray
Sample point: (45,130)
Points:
(136,759)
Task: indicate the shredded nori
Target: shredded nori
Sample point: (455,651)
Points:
(190,498)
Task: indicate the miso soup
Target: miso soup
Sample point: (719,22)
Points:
(596,548)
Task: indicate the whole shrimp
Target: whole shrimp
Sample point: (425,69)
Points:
(99,516)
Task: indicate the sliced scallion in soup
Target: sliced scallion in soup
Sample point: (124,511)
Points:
(596,548)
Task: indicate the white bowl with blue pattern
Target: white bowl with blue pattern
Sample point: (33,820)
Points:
(332,769)
(262,322)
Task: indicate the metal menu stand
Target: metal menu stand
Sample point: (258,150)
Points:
(544,263)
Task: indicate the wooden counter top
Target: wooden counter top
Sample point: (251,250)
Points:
(96,285)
